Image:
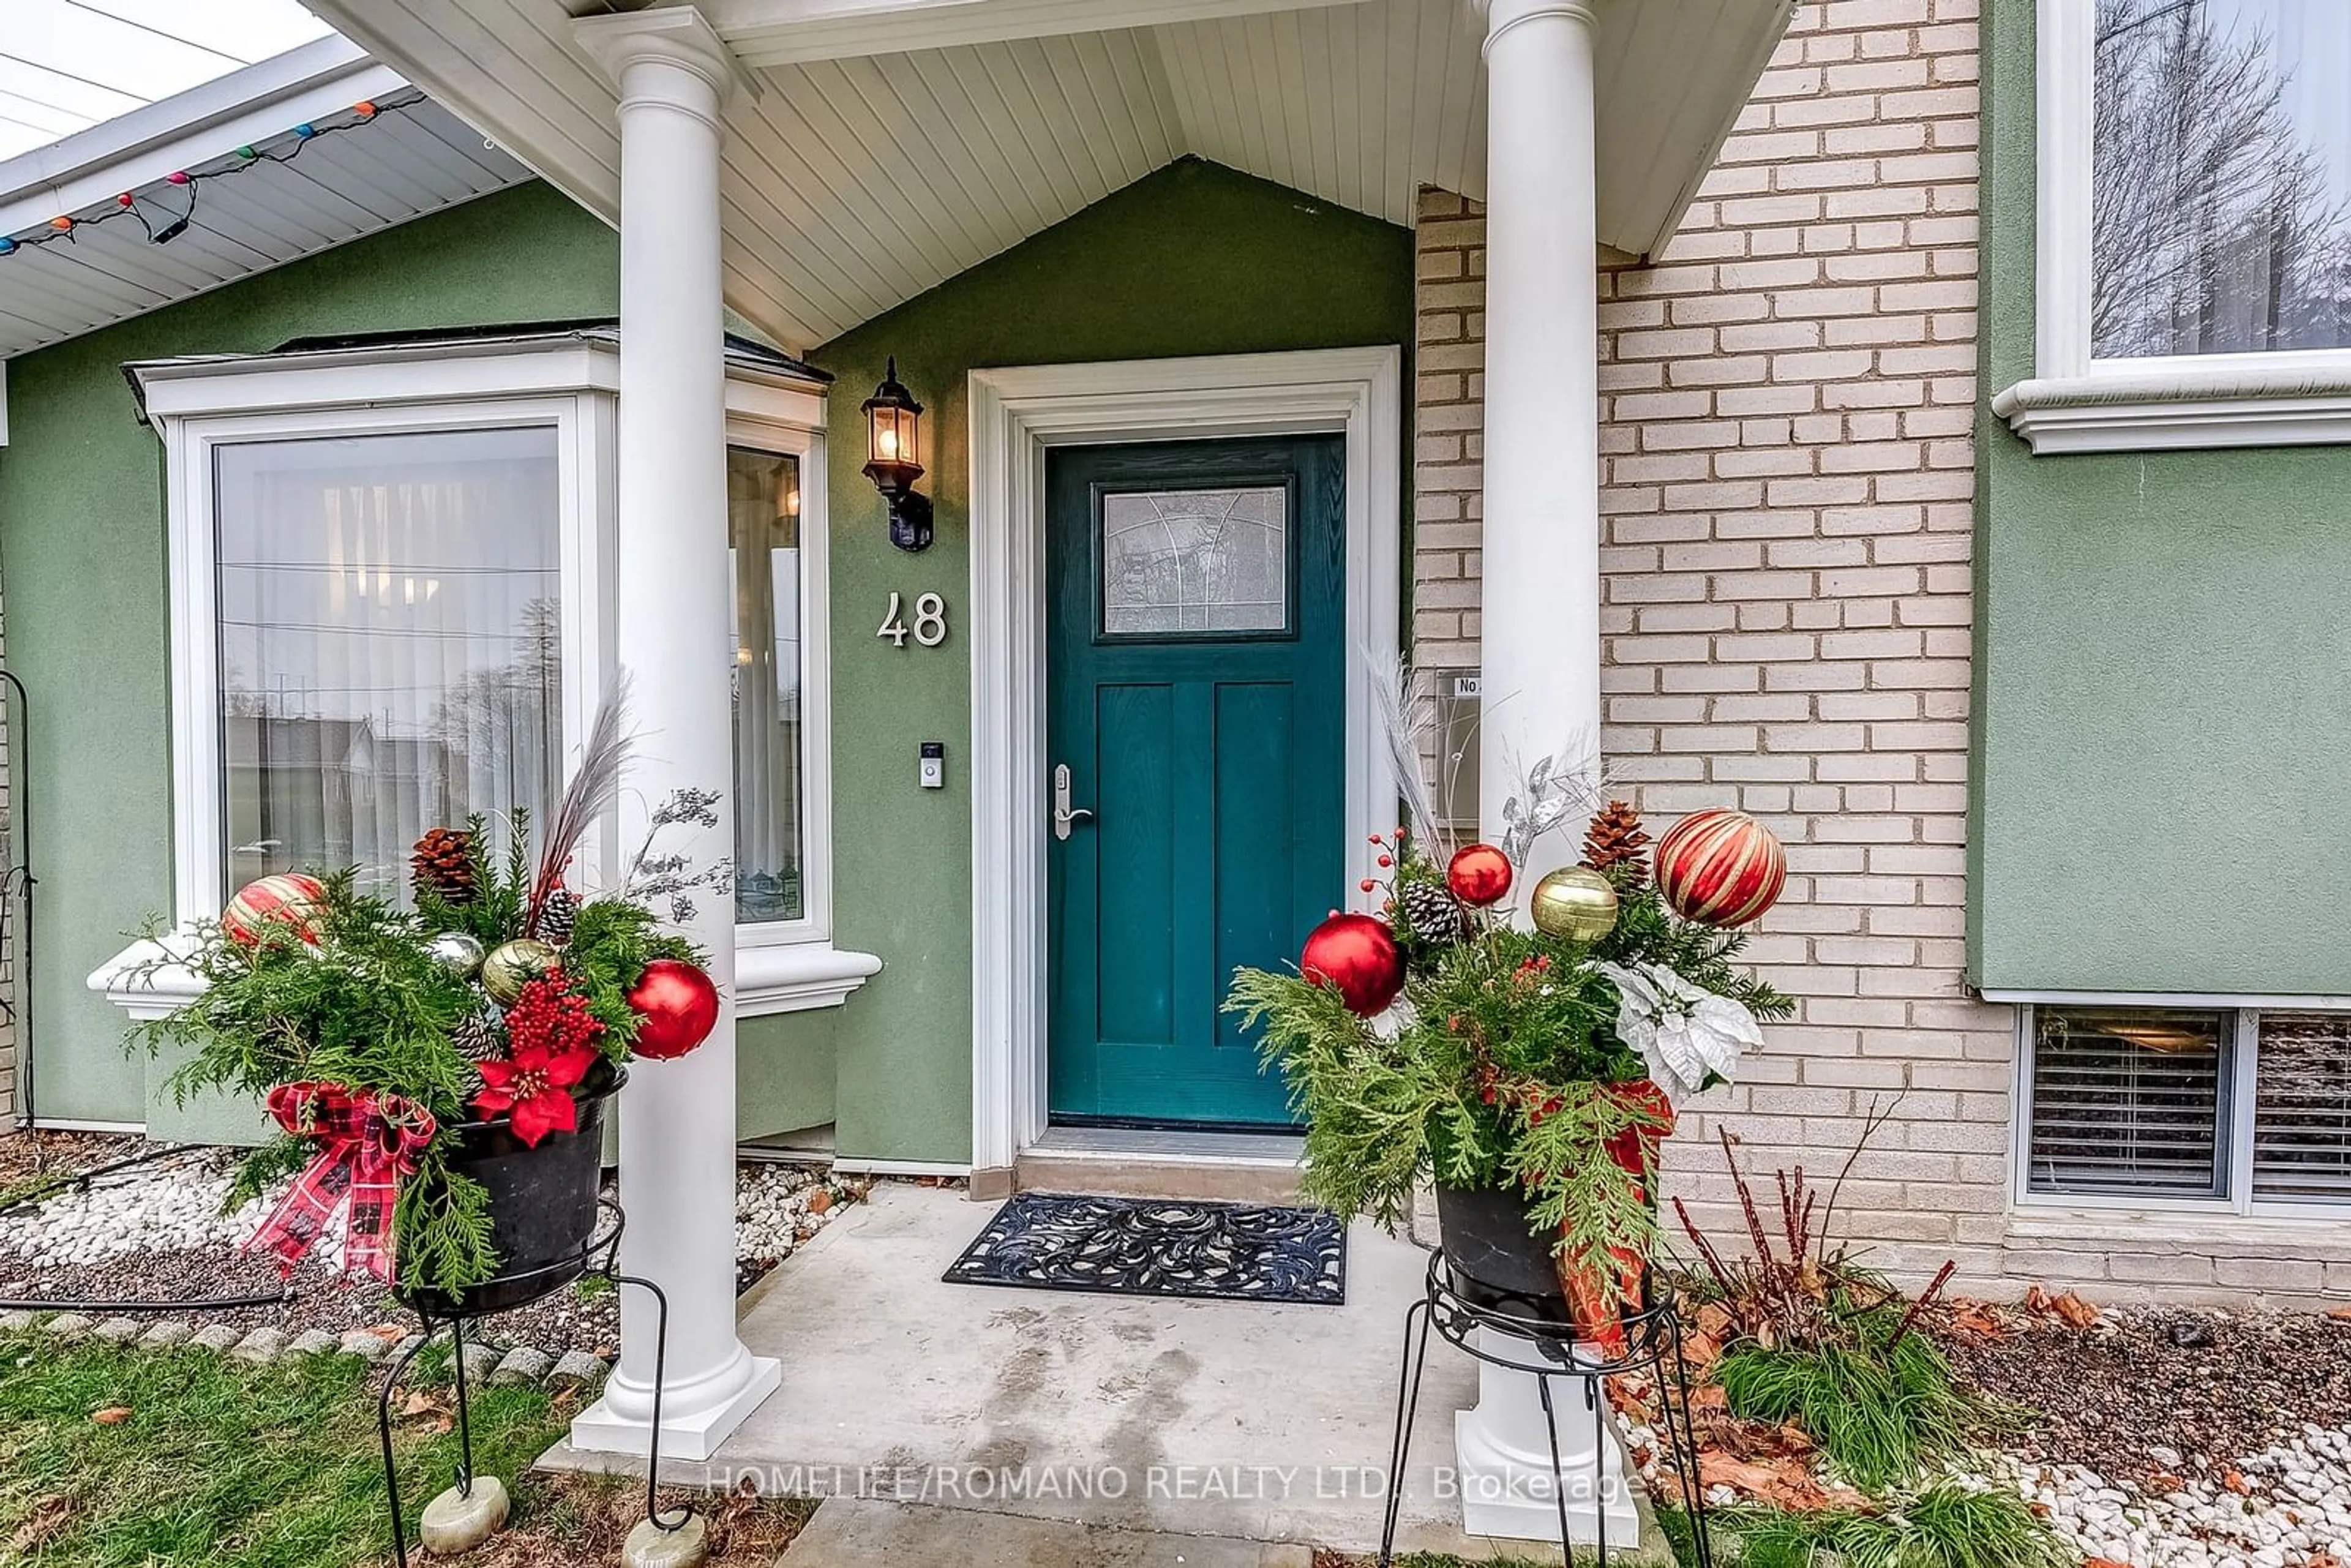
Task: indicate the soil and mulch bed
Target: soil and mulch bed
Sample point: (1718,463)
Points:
(2211,1386)
(147,1233)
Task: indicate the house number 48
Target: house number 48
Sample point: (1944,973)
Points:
(930,627)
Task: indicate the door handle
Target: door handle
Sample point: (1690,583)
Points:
(1065,817)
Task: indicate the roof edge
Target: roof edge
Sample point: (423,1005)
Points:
(148,142)
(389,349)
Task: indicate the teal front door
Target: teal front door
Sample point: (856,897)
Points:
(1194,725)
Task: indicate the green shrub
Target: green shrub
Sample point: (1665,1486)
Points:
(1941,1527)
(1878,1407)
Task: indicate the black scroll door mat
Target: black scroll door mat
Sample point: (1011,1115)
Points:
(1152,1246)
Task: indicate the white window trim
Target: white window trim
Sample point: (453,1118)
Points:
(1017,414)
(2237,1100)
(568,382)
(2075,403)
(789,965)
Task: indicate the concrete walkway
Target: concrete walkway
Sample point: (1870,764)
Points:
(1242,1421)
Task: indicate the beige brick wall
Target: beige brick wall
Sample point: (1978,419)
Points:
(1787,511)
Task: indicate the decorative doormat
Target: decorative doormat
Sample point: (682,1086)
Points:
(1156,1246)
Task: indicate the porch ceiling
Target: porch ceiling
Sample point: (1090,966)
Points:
(855,180)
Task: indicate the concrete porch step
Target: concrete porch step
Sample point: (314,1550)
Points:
(857,1532)
(1123,1163)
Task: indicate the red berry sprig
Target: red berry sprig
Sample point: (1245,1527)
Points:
(549,1015)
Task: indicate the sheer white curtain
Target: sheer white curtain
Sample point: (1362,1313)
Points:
(764,529)
(390,643)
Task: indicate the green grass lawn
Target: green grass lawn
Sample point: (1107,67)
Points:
(117,1458)
(201,1459)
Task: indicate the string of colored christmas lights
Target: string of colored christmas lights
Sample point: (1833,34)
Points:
(252,155)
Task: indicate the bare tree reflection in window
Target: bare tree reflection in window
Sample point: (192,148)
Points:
(2224,157)
(1196,560)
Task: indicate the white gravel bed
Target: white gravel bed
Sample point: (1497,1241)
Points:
(173,1205)
(170,1205)
(2295,1507)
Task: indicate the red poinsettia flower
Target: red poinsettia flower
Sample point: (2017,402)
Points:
(534,1085)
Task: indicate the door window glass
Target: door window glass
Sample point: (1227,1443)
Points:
(1196,560)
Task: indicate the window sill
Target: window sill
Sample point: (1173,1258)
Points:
(790,977)
(2184,1231)
(2171,407)
(148,980)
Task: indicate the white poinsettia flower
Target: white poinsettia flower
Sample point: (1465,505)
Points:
(1682,1032)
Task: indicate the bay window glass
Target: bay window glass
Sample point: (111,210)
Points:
(763,521)
(2220,182)
(390,643)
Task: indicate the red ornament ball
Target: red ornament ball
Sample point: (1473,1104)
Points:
(677,1007)
(1358,956)
(1479,875)
(289,899)
(1721,868)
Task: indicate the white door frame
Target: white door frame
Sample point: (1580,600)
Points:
(1016,415)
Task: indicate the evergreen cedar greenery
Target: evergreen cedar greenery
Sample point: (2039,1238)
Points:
(368,1008)
(1497,1070)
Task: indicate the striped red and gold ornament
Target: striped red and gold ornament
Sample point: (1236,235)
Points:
(289,899)
(1721,868)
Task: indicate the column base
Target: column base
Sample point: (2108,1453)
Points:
(1508,1486)
(694,1433)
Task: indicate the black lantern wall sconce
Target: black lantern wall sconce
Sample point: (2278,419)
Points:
(893,459)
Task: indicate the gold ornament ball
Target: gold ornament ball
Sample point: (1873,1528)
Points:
(1575,903)
(514,965)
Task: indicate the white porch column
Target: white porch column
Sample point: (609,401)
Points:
(677,1118)
(1541,597)
(1539,632)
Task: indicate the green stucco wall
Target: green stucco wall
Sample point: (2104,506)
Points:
(83,563)
(1194,259)
(2163,675)
(82,559)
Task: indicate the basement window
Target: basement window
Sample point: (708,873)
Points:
(2242,1110)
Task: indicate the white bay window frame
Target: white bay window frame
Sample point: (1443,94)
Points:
(2076,402)
(566,382)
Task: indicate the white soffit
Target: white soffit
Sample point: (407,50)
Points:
(858,181)
(401,165)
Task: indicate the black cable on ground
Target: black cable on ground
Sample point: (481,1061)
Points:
(68,1180)
(122,1309)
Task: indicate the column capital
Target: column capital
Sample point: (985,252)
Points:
(1502,15)
(677,36)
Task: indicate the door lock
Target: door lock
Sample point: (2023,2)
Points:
(1065,817)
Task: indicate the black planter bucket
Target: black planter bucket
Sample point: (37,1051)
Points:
(1499,1262)
(542,1205)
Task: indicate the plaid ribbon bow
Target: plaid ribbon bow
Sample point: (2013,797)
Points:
(372,1141)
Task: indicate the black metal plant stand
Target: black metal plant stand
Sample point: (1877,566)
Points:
(1653,1340)
(600,1254)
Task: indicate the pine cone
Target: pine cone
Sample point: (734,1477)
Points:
(1431,914)
(443,863)
(1612,846)
(481,1037)
(558,916)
